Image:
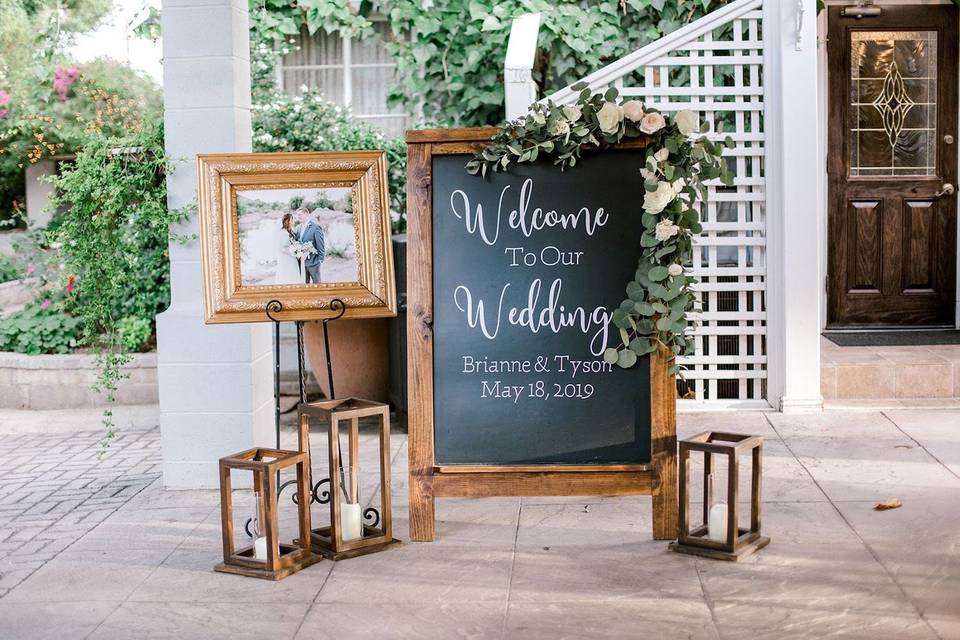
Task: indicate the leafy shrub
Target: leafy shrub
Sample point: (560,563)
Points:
(113,236)
(336,251)
(114,233)
(59,108)
(309,122)
(135,332)
(449,53)
(449,63)
(9,270)
(295,202)
(40,327)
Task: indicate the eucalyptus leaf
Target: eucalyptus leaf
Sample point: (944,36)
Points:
(620,319)
(658,273)
(642,347)
(659,291)
(626,359)
(644,308)
(610,355)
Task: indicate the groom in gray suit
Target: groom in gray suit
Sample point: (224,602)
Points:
(312,233)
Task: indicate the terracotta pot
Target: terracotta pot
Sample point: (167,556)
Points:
(360,357)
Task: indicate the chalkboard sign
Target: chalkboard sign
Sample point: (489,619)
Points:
(512,280)
(534,261)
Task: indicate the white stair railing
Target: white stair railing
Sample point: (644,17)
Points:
(714,66)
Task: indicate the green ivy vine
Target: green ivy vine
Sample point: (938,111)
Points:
(677,164)
(113,244)
(449,53)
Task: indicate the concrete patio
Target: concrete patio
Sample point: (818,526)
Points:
(511,568)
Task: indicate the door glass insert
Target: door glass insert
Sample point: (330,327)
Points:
(893,103)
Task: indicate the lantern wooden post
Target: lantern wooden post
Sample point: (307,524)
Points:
(737,542)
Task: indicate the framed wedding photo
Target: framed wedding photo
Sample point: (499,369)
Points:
(301,228)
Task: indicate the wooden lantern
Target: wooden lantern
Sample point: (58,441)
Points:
(720,535)
(277,560)
(353,530)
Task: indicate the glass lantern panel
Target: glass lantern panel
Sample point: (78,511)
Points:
(892,110)
(249,516)
(708,496)
(250,513)
(359,479)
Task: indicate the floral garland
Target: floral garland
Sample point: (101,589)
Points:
(677,164)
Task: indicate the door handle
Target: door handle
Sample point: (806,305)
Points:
(946,190)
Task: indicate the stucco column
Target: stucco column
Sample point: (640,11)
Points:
(795,182)
(215,381)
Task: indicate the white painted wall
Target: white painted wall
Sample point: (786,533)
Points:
(795,166)
(520,91)
(215,381)
(39,191)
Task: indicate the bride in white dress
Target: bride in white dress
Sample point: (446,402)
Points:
(289,269)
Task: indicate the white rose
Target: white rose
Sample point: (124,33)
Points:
(572,113)
(679,184)
(561,128)
(665,230)
(632,110)
(652,122)
(687,122)
(662,155)
(657,201)
(675,269)
(647,174)
(609,117)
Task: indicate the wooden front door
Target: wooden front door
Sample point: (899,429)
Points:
(892,167)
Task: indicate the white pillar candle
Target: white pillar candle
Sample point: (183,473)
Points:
(351,521)
(260,549)
(717,522)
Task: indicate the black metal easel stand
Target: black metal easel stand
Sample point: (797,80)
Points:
(273,307)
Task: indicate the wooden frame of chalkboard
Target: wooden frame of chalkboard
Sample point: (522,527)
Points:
(429,480)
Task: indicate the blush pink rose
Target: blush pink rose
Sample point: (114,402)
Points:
(633,110)
(652,122)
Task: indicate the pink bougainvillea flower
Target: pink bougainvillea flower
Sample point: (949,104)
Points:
(63,77)
(45,303)
(4,101)
(30,268)
(71,284)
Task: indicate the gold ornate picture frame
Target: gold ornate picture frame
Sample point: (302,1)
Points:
(301,228)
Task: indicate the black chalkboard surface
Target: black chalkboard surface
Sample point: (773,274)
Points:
(527,267)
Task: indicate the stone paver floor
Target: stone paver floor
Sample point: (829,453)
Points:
(124,561)
(55,488)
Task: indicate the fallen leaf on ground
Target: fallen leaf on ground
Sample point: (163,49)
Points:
(892,503)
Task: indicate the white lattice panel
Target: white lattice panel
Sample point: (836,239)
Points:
(715,66)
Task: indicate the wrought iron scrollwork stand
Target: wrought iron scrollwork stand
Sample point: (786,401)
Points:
(317,495)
